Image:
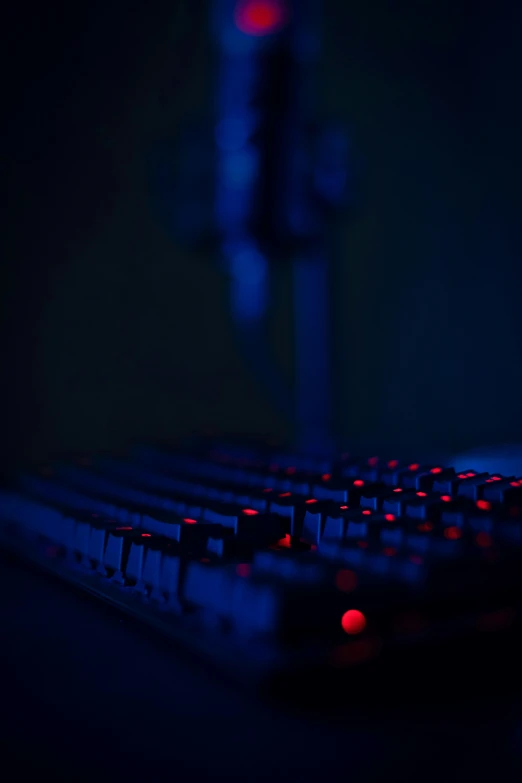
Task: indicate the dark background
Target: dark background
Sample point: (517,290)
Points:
(110,329)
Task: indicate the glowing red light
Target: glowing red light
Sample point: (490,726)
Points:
(393,463)
(484,505)
(484,540)
(343,508)
(358,483)
(452,533)
(268,489)
(425,527)
(372,462)
(243,570)
(362,544)
(286,541)
(291,470)
(346,580)
(422,494)
(446,498)
(314,548)
(389,517)
(145,535)
(398,489)
(389,551)
(326,476)
(470,474)
(250,512)
(367,512)
(311,500)
(436,470)
(414,466)
(416,559)
(353,621)
(285,494)
(123,528)
(259,17)
(514,483)
(189,521)
(496,478)
(462,475)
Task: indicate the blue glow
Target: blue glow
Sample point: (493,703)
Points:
(248,269)
(232,132)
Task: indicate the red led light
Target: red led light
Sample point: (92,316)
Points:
(414,466)
(311,500)
(243,570)
(398,489)
(462,475)
(372,462)
(343,508)
(362,544)
(291,470)
(367,512)
(452,533)
(416,559)
(189,521)
(358,483)
(484,540)
(123,528)
(422,494)
(285,494)
(484,505)
(446,498)
(470,474)
(326,476)
(259,17)
(436,470)
(145,535)
(353,621)
(389,551)
(425,527)
(496,478)
(393,463)
(250,512)
(346,580)
(389,517)
(268,489)
(514,483)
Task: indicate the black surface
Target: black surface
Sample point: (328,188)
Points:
(86,692)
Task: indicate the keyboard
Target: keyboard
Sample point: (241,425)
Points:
(279,570)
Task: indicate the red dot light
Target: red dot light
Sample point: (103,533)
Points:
(425,527)
(446,498)
(453,533)
(414,466)
(285,494)
(393,463)
(398,489)
(367,512)
(311,500)
(389,517)
(484,505)
(190,521)
(372,462)
(243,570)
(353,622)
(358,483)
(326,476)
(259,17)
(250,512)
(436,470)
(422,494)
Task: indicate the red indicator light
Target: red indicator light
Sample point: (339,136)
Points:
(311,500)
(389,551)
(358,483)
(446,498)
(422,494)
(285,494)
(393,463)
(250,512)
(123,528)
(389,517)
(436,470)
(425,527)
(452,533)
(259,17)
(145,535)
(353,622)
(414,466)
(470,474)
(190,521)
(484,540)
(343,508)
(462,475)
(398,489)
(367,512)
(484,505)
(514,483)
(346,580)
(286,541)
(326,476)
(243,570)
(268,489)
(372,462)
(496,478)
